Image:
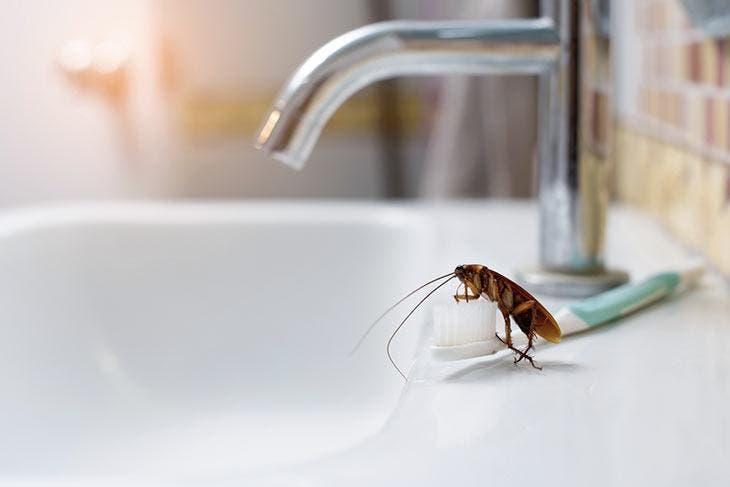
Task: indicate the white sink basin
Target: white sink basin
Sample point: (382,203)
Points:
(207,345)
(180,341)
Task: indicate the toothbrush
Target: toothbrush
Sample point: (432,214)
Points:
(466,330)
(624,300)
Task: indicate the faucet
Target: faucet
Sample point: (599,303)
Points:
(573,185)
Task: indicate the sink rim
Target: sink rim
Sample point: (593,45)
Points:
(205,211)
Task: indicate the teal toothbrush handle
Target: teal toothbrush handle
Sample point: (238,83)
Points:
(625,299)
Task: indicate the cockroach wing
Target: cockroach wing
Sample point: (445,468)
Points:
(547,327)
(544,323)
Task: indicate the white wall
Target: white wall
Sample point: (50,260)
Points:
(57,143)
(231,48)
(54,143)
(254,44)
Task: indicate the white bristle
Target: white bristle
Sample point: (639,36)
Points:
(464,322)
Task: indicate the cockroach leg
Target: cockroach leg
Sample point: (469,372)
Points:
(457,296)
(532,362)
(527,305)
(524,353)
(522,307)
(507,329)
(465,296)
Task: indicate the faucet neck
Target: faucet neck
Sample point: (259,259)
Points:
(398,48)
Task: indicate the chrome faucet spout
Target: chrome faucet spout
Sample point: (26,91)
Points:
(397,48)
(573,179)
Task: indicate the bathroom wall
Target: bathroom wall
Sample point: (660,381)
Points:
(672,138)
(228,59)
(199,77)
(56,143)
(179,129)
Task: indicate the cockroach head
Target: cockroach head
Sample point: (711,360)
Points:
(467,272)
(459,272)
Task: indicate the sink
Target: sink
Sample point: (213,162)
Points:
(208,345)
(175,341)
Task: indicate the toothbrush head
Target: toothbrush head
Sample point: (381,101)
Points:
(465,329)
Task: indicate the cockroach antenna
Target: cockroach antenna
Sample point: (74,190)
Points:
(379,318)
(390,340)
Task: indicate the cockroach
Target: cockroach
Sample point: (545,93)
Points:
(513,301)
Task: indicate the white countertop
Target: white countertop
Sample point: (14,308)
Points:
(643,401)
(147,344)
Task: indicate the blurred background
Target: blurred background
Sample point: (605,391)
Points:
(162,98)
(119,99)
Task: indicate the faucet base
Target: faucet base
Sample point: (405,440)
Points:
(570,285)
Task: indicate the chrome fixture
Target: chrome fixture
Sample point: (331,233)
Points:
(573,192)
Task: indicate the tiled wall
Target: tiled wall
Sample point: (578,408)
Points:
(672,143)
